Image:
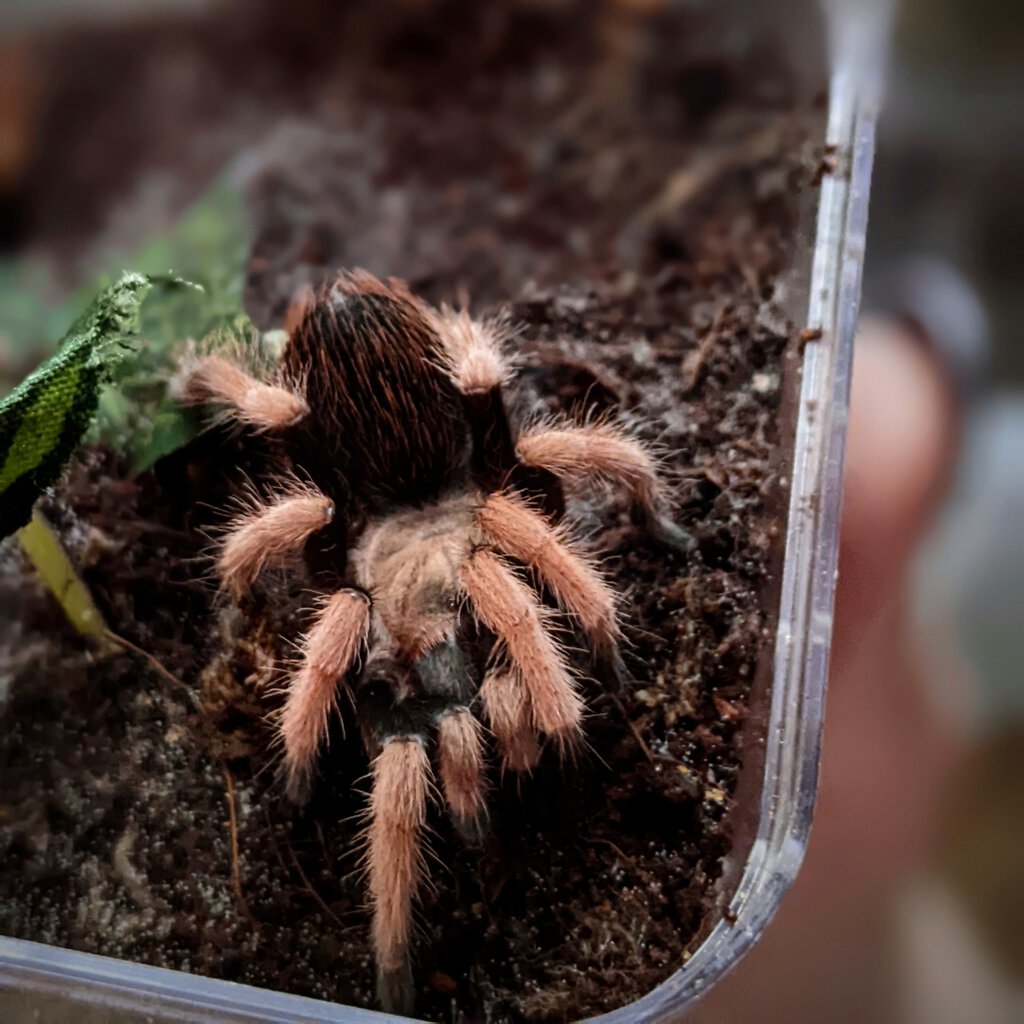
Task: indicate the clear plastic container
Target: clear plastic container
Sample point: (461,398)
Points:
(43,982)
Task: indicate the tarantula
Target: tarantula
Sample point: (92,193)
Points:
(432,514)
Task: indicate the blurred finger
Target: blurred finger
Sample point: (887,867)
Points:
(902,446)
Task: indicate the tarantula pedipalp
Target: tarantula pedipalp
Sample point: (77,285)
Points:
(431,514)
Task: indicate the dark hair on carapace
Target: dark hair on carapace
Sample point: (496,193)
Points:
(386,425)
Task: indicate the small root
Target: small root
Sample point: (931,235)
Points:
(236,868)
(154,663)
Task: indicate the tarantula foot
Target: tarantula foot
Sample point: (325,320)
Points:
(472,830)
(396,992)
(664,531)
(613,669)
(298,788)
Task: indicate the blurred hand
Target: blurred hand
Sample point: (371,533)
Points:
(828,956)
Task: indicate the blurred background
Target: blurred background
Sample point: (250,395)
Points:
(945,939)
(950,160)
(910,903)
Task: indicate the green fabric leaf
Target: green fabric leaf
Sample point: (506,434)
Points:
(136,416)
(43,419)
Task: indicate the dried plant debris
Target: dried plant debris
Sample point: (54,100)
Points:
(141,816)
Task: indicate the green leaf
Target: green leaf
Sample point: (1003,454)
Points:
(43,419)
(137,417)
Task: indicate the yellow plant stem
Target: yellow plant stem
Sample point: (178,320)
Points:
(46,553)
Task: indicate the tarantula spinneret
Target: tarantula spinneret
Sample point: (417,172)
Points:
(440,525)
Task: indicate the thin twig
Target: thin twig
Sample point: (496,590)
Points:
(323,841)
(312,892)
(157,666)
(696,362)
(631,725)
(274,842)
(624,857)
(236,869)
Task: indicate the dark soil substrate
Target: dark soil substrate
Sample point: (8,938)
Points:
(634,204)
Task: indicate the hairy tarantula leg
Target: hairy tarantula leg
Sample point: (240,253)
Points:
(257,404)
(476,363)
(461,763)
(270,536)
(474,350)
(520,532)
(445,673)
(331,648)
(398,811)
(605,450)
(479,370)
(507,710)
(510,610)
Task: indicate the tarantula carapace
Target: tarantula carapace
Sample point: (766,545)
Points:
(441,529)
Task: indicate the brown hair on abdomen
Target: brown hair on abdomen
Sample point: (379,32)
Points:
(385,420)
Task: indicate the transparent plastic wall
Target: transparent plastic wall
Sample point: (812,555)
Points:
(858,33)
(39,982)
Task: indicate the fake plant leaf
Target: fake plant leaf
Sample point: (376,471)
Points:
(43,419)
(136,417)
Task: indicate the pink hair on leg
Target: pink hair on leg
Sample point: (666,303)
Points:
(461,764)
(270,536)
(398,811)
(258,405)
(579,453)
(522,533)
(331,648)
(475,359)
(510,610)
(507,710)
